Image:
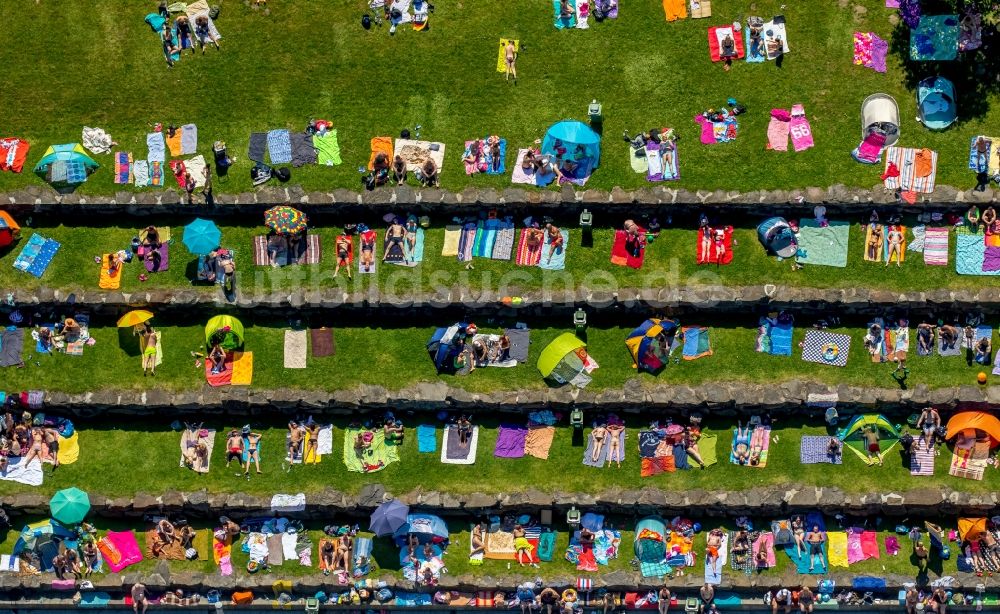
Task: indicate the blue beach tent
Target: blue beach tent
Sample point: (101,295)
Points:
(568,134)
(936,103)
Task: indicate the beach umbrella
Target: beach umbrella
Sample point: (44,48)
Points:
(201,236)
(135,318)
(388,517)
(285,220)
(69,506)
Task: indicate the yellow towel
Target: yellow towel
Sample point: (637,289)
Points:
(69,449)
(109,282)
(452,236)
(878,248)
(994,162)
(502,56)
(164,232)
(242,369)
(837,548)
(174,143)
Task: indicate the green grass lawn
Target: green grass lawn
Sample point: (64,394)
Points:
(670,263)
(101,468)
(280,70)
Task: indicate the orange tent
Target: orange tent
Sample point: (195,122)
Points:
(978,420)
(9,230)
(971,528)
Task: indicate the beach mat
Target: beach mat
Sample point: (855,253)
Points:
(296,342)
(322,342)
(426,438)
(188,438)
(107,281)
(510,441)
(526,257)
(936,246)
(36,255)
(813,450)
(921,458)
(242,371)
(826,348)
(826,246)
(452,450)
(12,347)
(697,342)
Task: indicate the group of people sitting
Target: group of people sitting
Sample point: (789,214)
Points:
(54,338)
(186,34)
(485,155)
(168,534)
(21,437)
(383,171)
(472,352)
(561,163)
(952,336)
(336,555)
(287,247)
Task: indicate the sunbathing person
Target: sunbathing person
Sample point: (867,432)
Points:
(394,235)
(989,220)
(165,531)
(494,144)
(712,544)
(150,339)
(393,431)
(756,41)
(599,434)
(328,557)
(587,537)
(741,444)
(91,557)
(949,336)
(234,447)
(312,439)
(522,547)
(480,353)
(475,154)
(152,238)
(727,50)
(253,450)
(167,38)
(894,238)
(719,243)
(554,238)
(5,453)
(503,347)
(217,356)
(232,529)
(296,435)
(411,228)
(741,547)
(528,162)
(115,261)
(690,442)
(344,547)
(464,427)
(35,451)
(204,33)
(367,251)
(478,542)
(874,241)
(815,539)
(566,9)
(343,249)
(925,337)
(984,349)
(799,534)
(533,239)
(614,443)
(51,437)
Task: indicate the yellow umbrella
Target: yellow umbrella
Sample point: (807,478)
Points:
(134,318)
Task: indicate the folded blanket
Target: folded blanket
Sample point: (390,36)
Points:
(674,10)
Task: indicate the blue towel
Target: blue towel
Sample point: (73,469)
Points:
(502,164)
(558,259)
(801,562)
(417,255)
(426,438)
(484,247)
(279,146)
(691,336)
(753,58)
(970,253)
(412,599)
(36,255)
(868,583)
(94,599)
(781,339)
(974,162)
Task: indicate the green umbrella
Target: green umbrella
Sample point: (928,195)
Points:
(69,506)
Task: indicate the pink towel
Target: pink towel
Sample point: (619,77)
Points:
(707,131)
(765,541)
(802,137)
(891,545)
(869,545)
(854,551)
(871,147)
(777,130)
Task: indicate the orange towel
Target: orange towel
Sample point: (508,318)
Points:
(174,143)
(675,9)
(923,163)
(380,144)
(108,281)
(242,369)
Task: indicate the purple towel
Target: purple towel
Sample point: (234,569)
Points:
(991,259)
(510,441)
(157,265)
(880,49)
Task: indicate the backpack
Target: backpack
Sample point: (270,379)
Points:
(283,174)
(366,21)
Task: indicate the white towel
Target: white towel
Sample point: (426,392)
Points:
(17,472)
(258,546)
(140,173)
(189,139)
(288,542)
(9,562)
(288,503)
(196,166)
(324,444)
(403,6)
(97,140)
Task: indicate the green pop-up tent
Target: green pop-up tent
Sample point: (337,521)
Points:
(853,435)
(565,361)
(225,330)
(65,166)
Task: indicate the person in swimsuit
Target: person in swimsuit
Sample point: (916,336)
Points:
(393,431)
(139,598)
(727,49)
(253,451)
(149,339)
(428,174)
(806,600)
(799,534)
(204,33)
(874,241)
(411,228)
(599,434)
(312,440)
(399,170)
(566,9)
(741,444)
(72,560)
(165,531)
(528,162)
(690,440)
(712,544)
(152,238)
(895,240)
(234,447)
(367,251)
(52,441)
(815,539)
(554,238)
(984,348)
(394,235)
(478,542)
(344,547)
(533,239)
(989,220)
(184,38)
(343,247)
(90,557)
(663,598)
(296,434)
(510,60)
(328,557)
(929,422)
(35,451)
(615,452)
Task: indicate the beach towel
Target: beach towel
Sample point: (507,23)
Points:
(712,257)
(322,342)
(519,175)
(713,569)
(970,463)
(452,450)
(774,337)
(538,441)
(257,146)
(554,260)
(303,150)
(327,148)
(123,167)
(106,280)
(242,371)
(452,237)
(561,22)
(974,257)
(36,255)
(637,159)
(426,439)
(826,348)
(502,55)
(870,51)
(17,471)
(295,349)
(716,34)
(503,245)
(498,166)
(467,242)
(764,542)
(756,54)
(416,153)
(869,151)
(157,147)
(696,342)
(837,543)
(12,347)
(190,439)
(526,256)
(189,139)
(510,441)
(896,258)
(919,234)
(486,235)
(376,457)
(826,246)
(936,246)
(279,146)
(119,549)
(917,169)
(775,38)
(800,129)
(814,450)
(602,458)
(13,153)
(224,377)
(700,9)
(661,162)
(921,458)
(777,130)
(140,173)
(623,256)
(174,143)
(802,561)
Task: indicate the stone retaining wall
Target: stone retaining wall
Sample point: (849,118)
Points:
(838,199)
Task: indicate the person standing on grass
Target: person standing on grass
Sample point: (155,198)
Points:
(206,189)
(510,59)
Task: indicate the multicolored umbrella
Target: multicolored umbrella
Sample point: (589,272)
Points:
(285,220)
(201,236)
(135,318)
(69,506)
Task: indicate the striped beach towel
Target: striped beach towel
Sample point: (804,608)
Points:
(503,246)
(970,463)
(936,246)
(466,242)
(525,256)
(921,458)
(905,159)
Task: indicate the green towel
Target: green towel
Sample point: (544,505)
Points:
(707,445)
(375,458)
(546,545)
(327,148)
(823,245)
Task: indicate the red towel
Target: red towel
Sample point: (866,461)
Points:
(220,379)
(621,256)
(657,465)
(713,42)
(727,240)
(525,257)
(869,545)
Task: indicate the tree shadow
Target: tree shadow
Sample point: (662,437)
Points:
(975,74)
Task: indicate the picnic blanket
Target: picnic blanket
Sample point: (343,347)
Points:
(12,347)
(538,441)
(191,439)
(322,342)
(119,549)
(936,246)
(452,450)
(155,263)
(157,147)
(561,22)
(17,471)
(327,148)
(775,37)
(415,153)
(426,439)
(510,441)
(141,173)
(712,257)
(279,146)
(921,458)
(36,255)
(935,38)
(774,337)
(376,457)
(716,34)
(970,463)
(123,167)
(622,255)
(554,260)
(813,450)
(823,245)
(826,348)
(870,51)
(296,346)
(525,255)
(974,256)
(696,342)
(713,569)
(164,551)
(603,458)
(917,169)
(661,162)
(837,548)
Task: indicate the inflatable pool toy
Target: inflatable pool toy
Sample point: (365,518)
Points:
(830,352)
